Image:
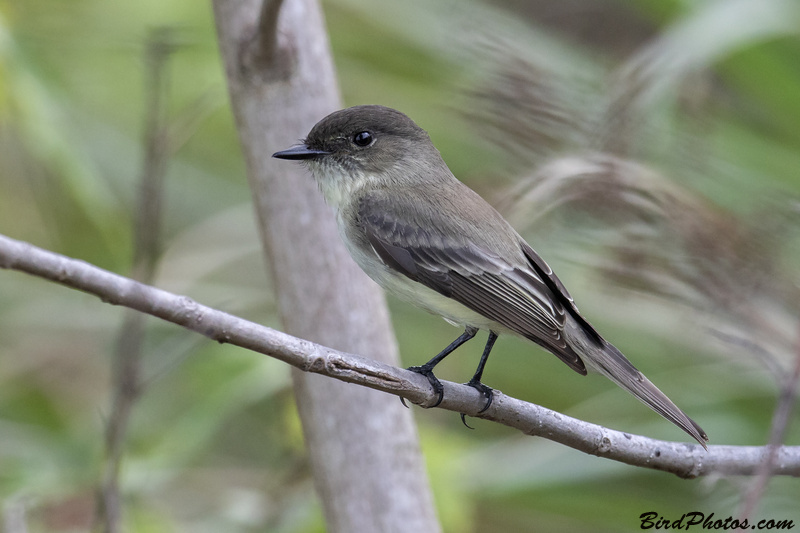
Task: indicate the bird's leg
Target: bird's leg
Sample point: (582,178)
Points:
(427,369)
(475,382)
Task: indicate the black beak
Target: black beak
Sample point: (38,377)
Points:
(299,151)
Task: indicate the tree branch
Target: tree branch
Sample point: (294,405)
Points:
(266,54)
(681,459)
(281,79)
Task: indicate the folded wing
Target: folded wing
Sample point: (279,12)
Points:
(452,264)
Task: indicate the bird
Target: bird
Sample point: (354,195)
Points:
(429,239)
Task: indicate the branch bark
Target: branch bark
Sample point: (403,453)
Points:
(682,459)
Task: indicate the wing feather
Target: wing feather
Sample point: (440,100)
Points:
(452,264)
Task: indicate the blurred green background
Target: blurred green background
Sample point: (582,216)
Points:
(705,96)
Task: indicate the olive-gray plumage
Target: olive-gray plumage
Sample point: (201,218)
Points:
(423,235)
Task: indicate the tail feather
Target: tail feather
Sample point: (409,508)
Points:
(609,361)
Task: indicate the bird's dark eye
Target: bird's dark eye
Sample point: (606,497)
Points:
(363,138)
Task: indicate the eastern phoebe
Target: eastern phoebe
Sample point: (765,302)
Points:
(426,237)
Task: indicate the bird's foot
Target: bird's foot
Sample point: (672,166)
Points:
(427,371)
(487,391)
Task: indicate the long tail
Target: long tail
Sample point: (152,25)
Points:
(609,361)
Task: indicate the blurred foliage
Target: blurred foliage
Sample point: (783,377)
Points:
(701,97)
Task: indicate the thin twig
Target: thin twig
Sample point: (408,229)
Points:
(780,422)
(147,230)
(681,459)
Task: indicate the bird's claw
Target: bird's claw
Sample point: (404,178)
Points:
(438,388)
(483,389)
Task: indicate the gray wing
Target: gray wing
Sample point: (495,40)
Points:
(506,282)
(512,293)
